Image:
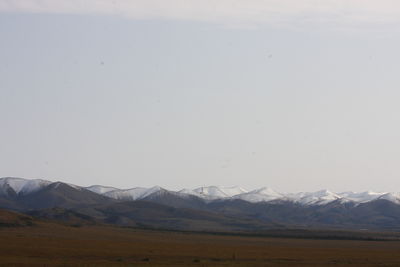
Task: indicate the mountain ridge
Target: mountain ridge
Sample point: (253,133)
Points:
(20,186)
(203,208)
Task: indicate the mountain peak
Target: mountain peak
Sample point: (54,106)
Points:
(100,189)
(14,186)
(23,186)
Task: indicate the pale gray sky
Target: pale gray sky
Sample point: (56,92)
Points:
(295,95)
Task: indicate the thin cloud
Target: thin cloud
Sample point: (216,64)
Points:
(226,12)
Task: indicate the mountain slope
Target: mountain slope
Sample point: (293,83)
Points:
(206,207)
(12,219)
(47,195)
(155,215)
(61,195)
(264,194)
(11,186)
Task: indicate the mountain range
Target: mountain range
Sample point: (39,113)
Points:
(11,186)
(206,208)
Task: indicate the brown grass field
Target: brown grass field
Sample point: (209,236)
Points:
(49,244)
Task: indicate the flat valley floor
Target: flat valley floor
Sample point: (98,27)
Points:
(58,245)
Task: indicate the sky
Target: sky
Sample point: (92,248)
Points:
(294,95)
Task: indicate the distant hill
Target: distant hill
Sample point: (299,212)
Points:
(206,208)
(65,216)
(45,195)
(13,219)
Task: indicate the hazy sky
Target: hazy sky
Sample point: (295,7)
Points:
(295,95)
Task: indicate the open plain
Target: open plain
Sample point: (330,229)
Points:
(52,244)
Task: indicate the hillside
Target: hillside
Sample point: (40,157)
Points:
(203,209)
(52,244)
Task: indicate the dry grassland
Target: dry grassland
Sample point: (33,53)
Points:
(55,245)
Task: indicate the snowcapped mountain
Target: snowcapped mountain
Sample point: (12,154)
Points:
(217,192)
(264,194)
(99,189)
(20,186)
(190,192)
(361,197)
(393,197)
(231,191)
(132,194)
(210,192)
(321,197)
(322,208)
(10,186)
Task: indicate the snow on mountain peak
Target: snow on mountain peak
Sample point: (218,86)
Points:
(393,197)
(133,193)
(263,194)
(214,192)
(99,189)
(210,192)
(20,186)
(33,186)
(126,194)
(232,190)
(314,198)
(23,186)
(152,190)
(266,191)
(189,192)
(361,197)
